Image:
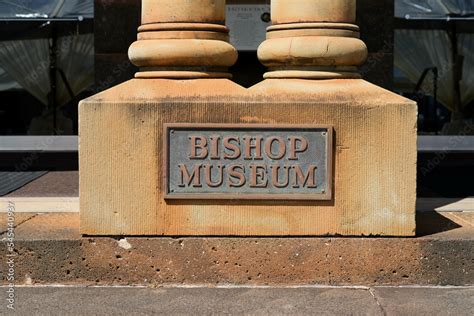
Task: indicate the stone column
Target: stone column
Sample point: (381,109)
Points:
(183,39)
(313,39)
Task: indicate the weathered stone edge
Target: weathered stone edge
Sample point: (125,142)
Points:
(244,261)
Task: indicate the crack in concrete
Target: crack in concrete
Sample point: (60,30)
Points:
(374,296)
(3,232)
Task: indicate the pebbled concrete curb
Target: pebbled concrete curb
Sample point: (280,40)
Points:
(49,250)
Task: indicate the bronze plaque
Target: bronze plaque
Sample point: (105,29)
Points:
(248,161)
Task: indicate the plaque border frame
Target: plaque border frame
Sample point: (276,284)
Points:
(330,172)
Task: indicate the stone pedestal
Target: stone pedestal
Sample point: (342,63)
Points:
(126,132)
(183,54)
(312,52)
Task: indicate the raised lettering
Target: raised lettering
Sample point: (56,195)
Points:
(235,149)
(258,176)
(236,175)
(215,152)
(220,176)
(202,146)
(281,148)
(307,180)
(276,177)
(257,146)
(294,146)
(187,179)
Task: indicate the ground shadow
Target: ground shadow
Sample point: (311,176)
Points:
(429,223)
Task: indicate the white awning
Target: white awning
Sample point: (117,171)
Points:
(46,9)
(426,9)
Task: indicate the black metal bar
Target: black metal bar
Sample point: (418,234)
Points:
(463,26)
(435,92)
(435,97)
(78,19)
(66,82)
(71,94)
(37,29)
(456,67)
(52,76)
(422,79)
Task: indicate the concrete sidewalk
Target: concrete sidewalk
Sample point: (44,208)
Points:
(248,301)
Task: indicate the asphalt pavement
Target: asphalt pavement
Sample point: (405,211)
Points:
(63,300)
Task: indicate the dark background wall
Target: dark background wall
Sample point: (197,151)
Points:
(377,23)
(115,28)
(116,23)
